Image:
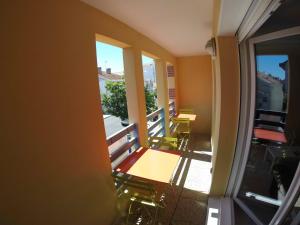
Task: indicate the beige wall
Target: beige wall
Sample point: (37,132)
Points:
(195,89)
(226,82)
(54,162)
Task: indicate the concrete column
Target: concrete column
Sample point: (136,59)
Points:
(162,90)
(226,112)
(134,80)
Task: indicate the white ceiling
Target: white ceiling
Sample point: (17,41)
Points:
(180,26)
(232,13)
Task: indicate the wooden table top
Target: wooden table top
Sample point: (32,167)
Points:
(152,164)
(191,117)
(155,165)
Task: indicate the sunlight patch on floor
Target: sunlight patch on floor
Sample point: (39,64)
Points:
(203,152)
(181,172)
(198,176)
(212,218)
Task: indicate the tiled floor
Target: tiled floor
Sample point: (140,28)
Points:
(186,199)
(194,184)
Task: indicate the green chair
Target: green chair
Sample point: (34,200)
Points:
(186,111)
(182,128)
(169,143)
(139,197)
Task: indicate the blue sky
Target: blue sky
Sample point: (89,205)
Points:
(270,64)
(147,60)
(109,56)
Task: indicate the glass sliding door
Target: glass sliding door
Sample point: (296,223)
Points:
(271,172)
(293,217)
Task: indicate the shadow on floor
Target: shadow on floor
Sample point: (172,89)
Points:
(186,198)
(193,179)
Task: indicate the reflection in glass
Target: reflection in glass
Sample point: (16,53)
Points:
(272,82)
(274,154)
(293,217)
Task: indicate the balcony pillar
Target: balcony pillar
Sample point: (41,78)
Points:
(134,81)
(226,107)
(162,91)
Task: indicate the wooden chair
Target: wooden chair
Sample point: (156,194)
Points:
(169,143)
(141,197)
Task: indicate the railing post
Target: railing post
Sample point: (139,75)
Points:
(135,135)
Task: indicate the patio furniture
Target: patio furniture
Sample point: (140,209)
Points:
(191,117)
(269,127)
(157,165)
(270,120)
(142,180)
(182,128)
(270,136)
(169,143)
(186,111)
(140,197)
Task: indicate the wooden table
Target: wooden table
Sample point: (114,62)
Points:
(152,164)
(191,117)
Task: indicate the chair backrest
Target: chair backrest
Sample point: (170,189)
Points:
(125,184)
(155,142)
(163,142)
(182,125)
(137,190)
(186,111)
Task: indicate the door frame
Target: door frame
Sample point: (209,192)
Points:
(248,84)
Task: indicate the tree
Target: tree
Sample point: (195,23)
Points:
(150,97)
(114,101)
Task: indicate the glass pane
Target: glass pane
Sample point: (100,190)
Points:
(275,150)
(272,82)
(293,217)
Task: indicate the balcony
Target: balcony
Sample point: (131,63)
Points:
(187,192)
(57,159)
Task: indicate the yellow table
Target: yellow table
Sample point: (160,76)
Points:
(191,117)
(155,165)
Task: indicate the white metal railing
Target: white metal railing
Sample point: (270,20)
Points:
(156,123)
(172,113)
(122,144)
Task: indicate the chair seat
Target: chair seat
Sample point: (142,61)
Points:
(163,143)
(140,195)
(270,135)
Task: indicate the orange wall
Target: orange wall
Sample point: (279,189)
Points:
(54,165)
(195,89)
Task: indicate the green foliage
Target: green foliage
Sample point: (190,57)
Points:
(150,97)
(114,102)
